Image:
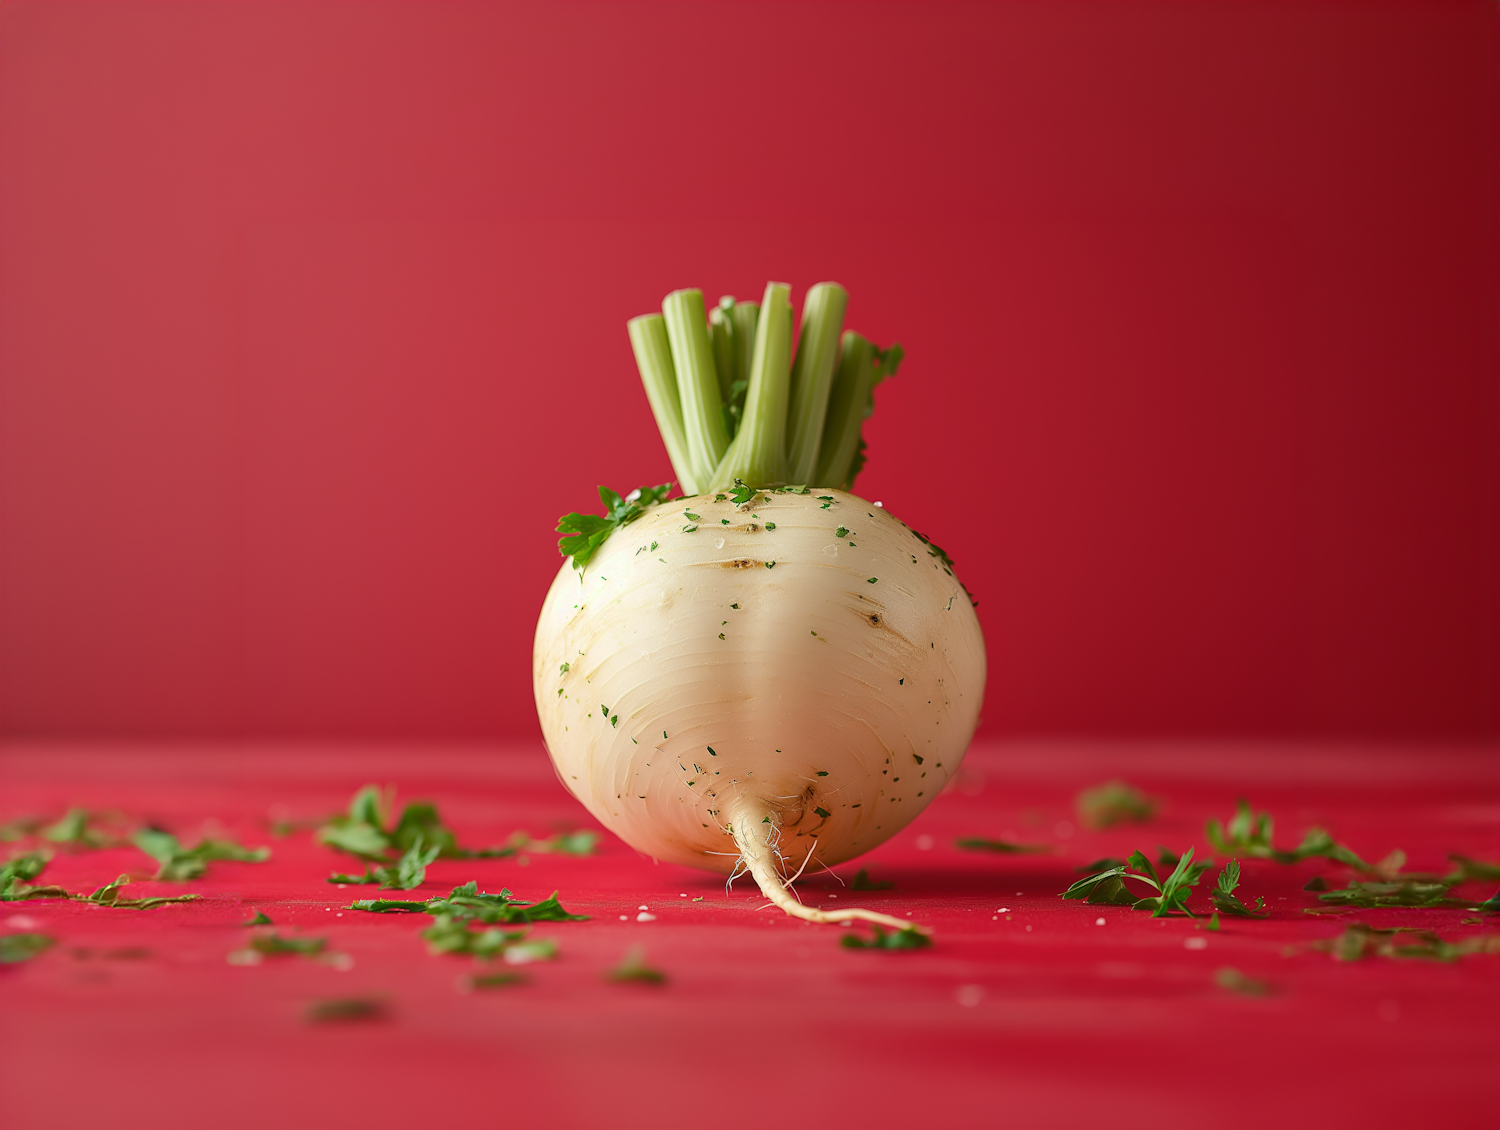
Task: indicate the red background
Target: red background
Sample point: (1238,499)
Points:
(312,321)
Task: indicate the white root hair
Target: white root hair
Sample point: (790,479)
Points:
(759,857)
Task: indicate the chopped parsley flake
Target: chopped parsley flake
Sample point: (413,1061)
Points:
(770,525)
(841,532)
(871,580)
(823,812)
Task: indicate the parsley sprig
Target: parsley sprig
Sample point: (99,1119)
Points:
(1226,901)
(1108,887)
(587,532)
(177,863)
(1249,833)
(467,903)
(367,831)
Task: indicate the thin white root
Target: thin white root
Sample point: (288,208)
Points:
(759,857)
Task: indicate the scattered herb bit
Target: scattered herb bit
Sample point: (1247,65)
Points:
(1411,891)
(1249,833)
(109,895)
(1472,870)
(863,882)
(1236,982)
(908,938)
(587,532)
(770,525)
(389,906)
(1224,898)
(822,772)
(1359,941)
(273,944)
(364,832)
(177,864)
(740,494)
(16,875)
(453,935)
(76,828)
(770,564)
(1111,803)
(346,1010)
(841,532)
(690,516)
(23,947)
(1100,865)
(564,668)
(823,812)
(1002,847)
(261,919)
(485,981)
(1316,883)
(634,968)
(871,580)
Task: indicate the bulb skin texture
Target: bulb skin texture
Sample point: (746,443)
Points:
(802,660)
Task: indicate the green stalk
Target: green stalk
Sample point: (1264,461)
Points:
(725,331)
(726,357)
(812,373)
(697,381)
(745,315)
(758,455)
(653,357)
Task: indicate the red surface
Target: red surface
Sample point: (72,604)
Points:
(311,322)
(1072,1024)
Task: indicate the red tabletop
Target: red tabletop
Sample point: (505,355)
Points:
(1027,1009)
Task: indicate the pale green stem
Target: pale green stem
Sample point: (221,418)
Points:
(653,357)
(697,382)
(721,330)
(745,315)
(846,411)
(812,373)
(758,455)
